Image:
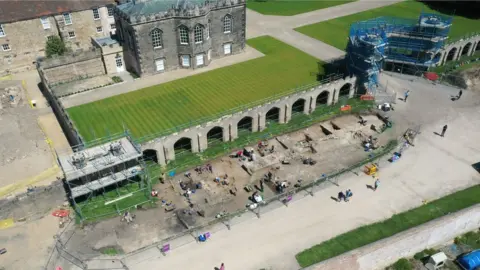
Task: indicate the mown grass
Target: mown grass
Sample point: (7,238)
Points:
(161,107)
(371,233)
(291,7)
(335,32)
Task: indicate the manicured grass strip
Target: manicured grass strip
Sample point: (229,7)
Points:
(397,223)
(335,32)
(161,107)
(290,7)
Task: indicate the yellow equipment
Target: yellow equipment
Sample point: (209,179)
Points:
(371,169)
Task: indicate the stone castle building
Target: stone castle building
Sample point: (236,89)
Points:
(25,26)
(162,35)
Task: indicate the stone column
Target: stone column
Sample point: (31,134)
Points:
(261,121)
(202,142)
(254,124)
(471,50)
(281,115)
(233,131)
(330,97)
(288,113)
(195,145)
(313,103)
(226,133)
(336,94)
(352,91)
(459,53)
(306,107)
(169,151)
(160,154)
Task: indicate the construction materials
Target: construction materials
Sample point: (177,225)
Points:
(371,169)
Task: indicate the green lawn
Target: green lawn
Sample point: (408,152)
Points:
(335,32)
(161,107)
(371,233)
(291,7)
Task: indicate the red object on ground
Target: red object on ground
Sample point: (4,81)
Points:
(345,108)
(432,76)
(367,97)
(60,213)
(59,268)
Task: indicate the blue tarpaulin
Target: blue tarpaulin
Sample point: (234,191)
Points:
(470,261)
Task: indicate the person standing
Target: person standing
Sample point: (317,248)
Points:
(406,96)
(444,129)
(222,267)
(377,183)
(459,94)
(341,196)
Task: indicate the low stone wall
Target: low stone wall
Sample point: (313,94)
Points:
(68,68)
(385,252)
(198,135)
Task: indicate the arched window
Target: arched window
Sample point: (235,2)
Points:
(183,31)
(227,24)
(207,31)
(156,38)
(198,33)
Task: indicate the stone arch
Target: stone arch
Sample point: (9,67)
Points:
(345,90)
(477,48)
(298,106)
(182,146)
(451,54)
(273,115)
(466,48)
(245,124)
(215,135)
(322,98)
(150,154)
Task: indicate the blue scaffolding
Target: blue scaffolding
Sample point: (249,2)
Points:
(374,42)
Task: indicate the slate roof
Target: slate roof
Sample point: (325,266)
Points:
(148,7)
(20,10)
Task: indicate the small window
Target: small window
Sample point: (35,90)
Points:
(45,22)
(198,34)
(199,59)
(6,47)
(227,24)
(227,48)
(207,31)
(183,35)
(99,29)
(2,32)
(67,18)
(185,60)
(160,64)
(113,26)
(156,38)
(71,34)
(96,14)
(110,11)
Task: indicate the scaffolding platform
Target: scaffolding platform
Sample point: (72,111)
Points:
(106,181)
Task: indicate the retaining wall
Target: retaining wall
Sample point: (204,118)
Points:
(383,253)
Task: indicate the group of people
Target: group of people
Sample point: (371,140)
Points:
(344,196)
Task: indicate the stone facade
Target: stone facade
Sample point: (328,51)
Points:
(23,41)
(152,42)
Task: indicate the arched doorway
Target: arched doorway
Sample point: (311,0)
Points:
(345,90)
(451,54)
(150,155)
(245,125)
(182,146)
(298,106)
(322,98)
(215,135)
(466,49)
(273,115)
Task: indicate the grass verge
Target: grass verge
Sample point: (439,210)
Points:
(335,32)
(290,7)
(397,223)
(207,95)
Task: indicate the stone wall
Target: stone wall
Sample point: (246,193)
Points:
(198,135)
(81,65)
(385,252)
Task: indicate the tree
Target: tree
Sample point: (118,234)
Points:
(55,46)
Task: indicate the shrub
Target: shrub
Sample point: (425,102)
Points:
(55,46)
(402,264)
(117,79)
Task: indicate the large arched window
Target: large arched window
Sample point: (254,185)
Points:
(198,33)
(183,32)
(157,38)
(227,24)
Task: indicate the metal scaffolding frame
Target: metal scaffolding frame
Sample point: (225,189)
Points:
(414,42)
